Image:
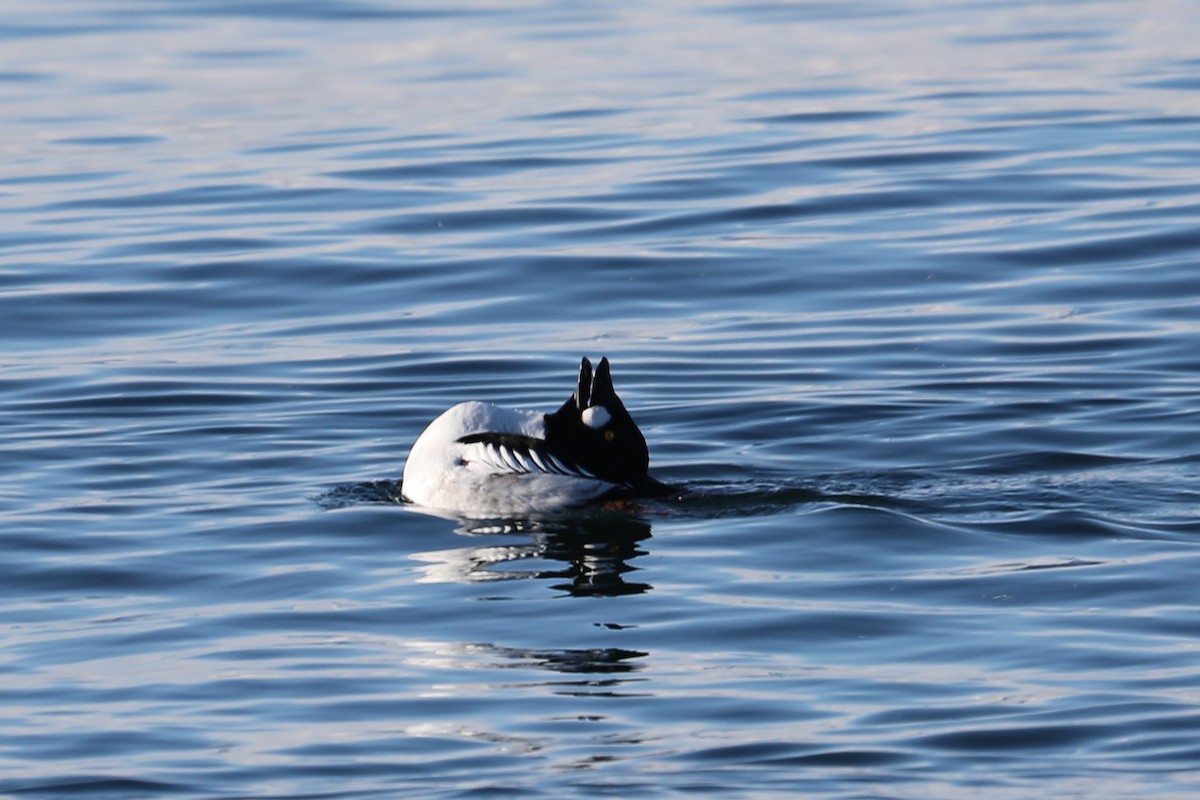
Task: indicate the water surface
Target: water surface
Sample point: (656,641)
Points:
(904,293)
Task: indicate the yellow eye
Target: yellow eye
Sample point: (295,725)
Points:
(609,435)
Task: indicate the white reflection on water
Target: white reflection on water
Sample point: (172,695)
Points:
(581,555)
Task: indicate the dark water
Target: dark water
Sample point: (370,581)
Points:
(907,294)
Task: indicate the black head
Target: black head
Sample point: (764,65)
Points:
(594,430)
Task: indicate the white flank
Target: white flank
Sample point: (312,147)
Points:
(483,479)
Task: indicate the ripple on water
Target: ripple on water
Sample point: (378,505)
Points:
(918,339)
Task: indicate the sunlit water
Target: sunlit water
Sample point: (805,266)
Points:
(906,295)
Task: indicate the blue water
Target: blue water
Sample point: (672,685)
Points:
(906,294)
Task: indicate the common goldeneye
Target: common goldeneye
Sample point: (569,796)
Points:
(479,458)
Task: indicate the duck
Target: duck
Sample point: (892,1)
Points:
(478,458)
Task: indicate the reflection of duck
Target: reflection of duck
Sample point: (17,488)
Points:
(482,459)
(598,660)
(599,560)
(596,551)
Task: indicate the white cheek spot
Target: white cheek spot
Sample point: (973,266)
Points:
(596,417)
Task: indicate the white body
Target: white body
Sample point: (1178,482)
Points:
(480,479)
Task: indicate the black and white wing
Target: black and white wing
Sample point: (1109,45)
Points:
(516,454)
